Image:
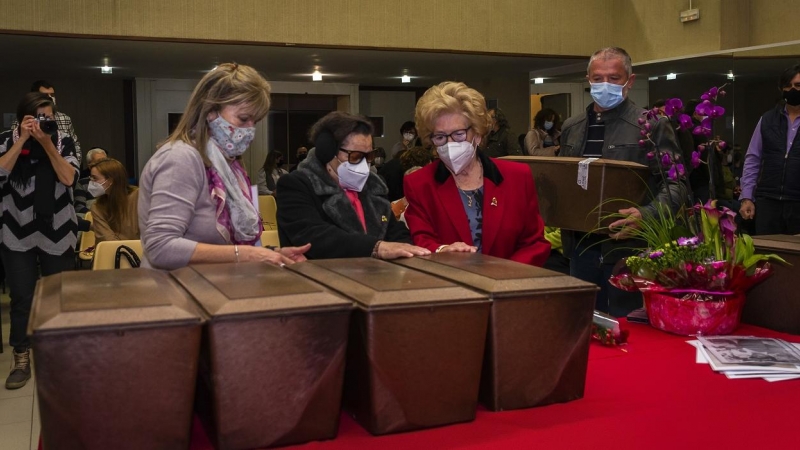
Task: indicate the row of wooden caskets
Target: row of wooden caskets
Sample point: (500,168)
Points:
(268,356)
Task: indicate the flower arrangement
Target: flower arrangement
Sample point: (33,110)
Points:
(695,269)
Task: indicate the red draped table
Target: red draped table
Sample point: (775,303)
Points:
(650,395)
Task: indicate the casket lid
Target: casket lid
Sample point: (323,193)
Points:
(778,243)
(496,277)
(102,298)
(255,289)
(373,283)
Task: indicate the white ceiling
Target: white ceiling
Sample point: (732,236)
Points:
(68,57)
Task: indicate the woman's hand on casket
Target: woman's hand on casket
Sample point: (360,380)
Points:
(281,257)
(296,254)
(626,225)
(458,247)
(394,250)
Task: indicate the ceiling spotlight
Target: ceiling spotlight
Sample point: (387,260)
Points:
(405,79)
(106,68)
(672,76)
(730,75)
(538,80)
(652,78)
(316,76)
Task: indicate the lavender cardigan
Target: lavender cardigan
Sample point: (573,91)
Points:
(175,207)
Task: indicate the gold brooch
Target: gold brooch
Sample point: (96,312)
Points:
(494,201)
(384,219)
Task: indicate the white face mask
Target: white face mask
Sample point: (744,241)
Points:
(353,176)
(96,189)
(409,136)
(456,155)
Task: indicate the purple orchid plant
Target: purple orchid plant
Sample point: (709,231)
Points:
(698,250)
(673,108)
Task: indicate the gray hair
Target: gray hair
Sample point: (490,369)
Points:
(90,154)
(612,53)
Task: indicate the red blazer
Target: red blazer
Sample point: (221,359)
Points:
(512,226)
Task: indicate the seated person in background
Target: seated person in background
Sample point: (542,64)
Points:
(467,201)
(335,203)
(302,152)
(269,173)
(114,213)
(542,140)
(412,160)
(380,158)
(82,197)
(408,134)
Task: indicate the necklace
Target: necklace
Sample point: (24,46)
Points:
(470,198)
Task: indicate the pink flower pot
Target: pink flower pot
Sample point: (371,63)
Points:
(685,315)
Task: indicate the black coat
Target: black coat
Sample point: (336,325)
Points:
(313,208)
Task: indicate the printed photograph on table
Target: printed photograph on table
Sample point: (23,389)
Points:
(751,350)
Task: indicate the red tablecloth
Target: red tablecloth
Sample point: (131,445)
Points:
(652,395)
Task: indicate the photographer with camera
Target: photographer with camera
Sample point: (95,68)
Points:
(37,169)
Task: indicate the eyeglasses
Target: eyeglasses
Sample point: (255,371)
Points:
(355,156)
(456,136)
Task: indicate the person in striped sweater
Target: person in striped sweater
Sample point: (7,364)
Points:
(38,168)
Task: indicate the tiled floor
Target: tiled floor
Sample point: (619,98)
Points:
(19,413)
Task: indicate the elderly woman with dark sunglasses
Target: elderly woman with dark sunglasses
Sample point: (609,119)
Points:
(335,203)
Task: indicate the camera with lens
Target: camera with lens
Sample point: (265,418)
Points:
(49,126)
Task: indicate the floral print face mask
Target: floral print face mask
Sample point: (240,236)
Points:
(233,141)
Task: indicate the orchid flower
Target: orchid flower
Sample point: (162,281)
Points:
(676,171)
(685,122)
(696,159)
(673,106)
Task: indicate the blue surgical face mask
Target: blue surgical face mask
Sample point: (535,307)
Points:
(548,125)
(607,95)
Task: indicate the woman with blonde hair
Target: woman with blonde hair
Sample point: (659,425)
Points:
(466,201)
(114,213)
(195,204)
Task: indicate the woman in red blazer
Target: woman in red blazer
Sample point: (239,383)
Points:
(466,201)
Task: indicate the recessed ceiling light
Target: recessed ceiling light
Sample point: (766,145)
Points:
(730,75)
(652,78)
(538,80)
(672,76)
(405,79)
(106,68)
(316,76)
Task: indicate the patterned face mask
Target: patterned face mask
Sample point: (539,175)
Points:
(232,140)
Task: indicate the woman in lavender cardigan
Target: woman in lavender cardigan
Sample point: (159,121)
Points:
(195,204)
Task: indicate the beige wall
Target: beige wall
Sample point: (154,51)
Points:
(773,21)
(95,106)
(648,29)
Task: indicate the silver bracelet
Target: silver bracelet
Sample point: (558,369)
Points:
(236,250)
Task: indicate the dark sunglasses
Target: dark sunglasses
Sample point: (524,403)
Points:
(355,156)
